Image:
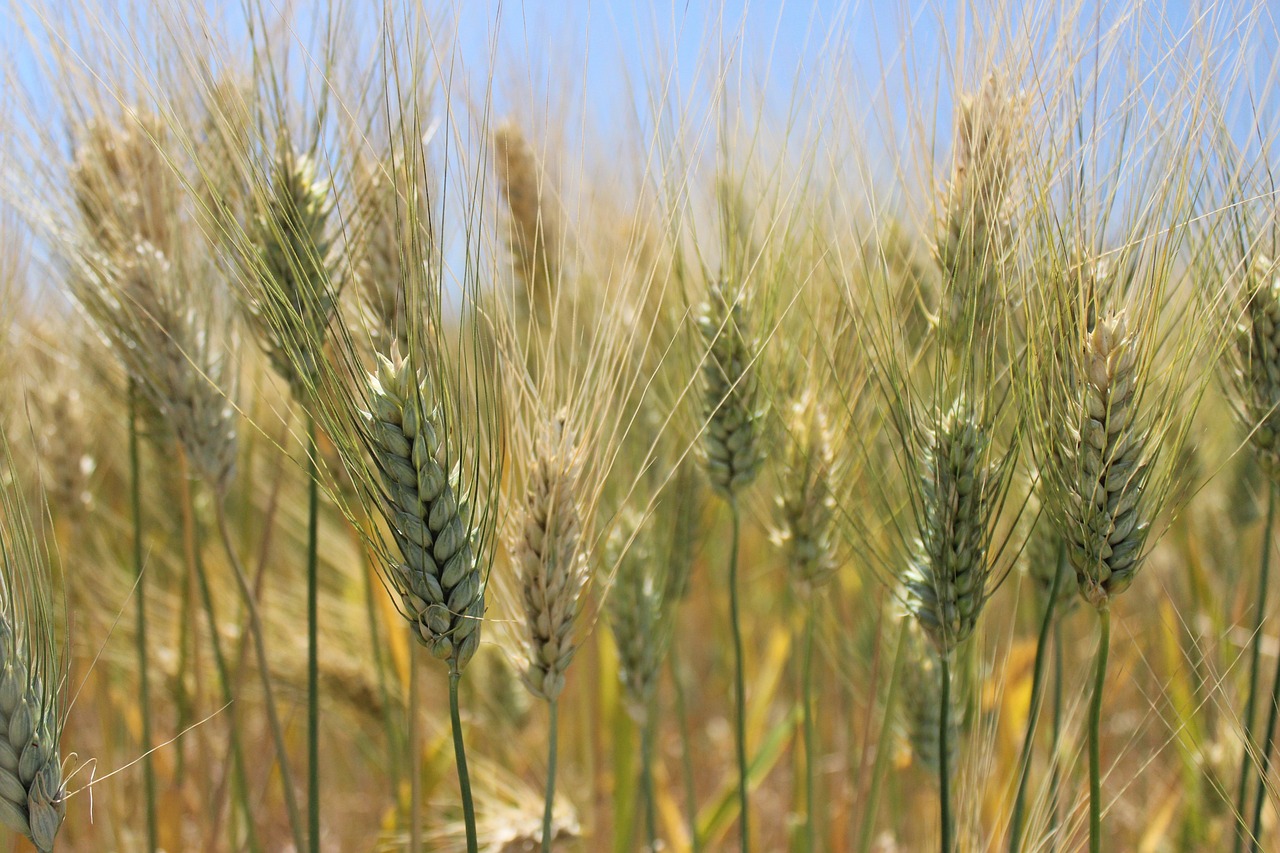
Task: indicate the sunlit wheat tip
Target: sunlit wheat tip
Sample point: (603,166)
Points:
(532,228)
(974,234)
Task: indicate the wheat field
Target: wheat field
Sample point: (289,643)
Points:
(787,426)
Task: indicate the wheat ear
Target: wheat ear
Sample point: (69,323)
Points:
(732,457)
(806,515)
(32,793)
(1256,387)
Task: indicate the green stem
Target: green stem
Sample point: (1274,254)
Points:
(135,493)
(810,831)
(1054,773)
(257,634)
(240,778)
(460,756)
(686,749)
(1255,654)
(739,685)
(944,762)
(1033,714)
(1268,745)
(547,809)
(313,662)
(883,747)
(415,751)
(1095,718)
(646,778)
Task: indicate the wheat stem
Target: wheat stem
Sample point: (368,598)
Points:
(810,831)
(313,664)
(686,757)
(415,749)
(224,676)
(552,749)
(1095,718)
(1260,795)
(135,493)
(264,671)
(1054,774)
(646,778)
(460,757)
(883,745)
(1255,656)
(739,687)
(944,758)
(1037,698)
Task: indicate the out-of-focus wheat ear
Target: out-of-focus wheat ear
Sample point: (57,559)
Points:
(636,610)
(533,229)
(552,571)
(805,503)
(293,298)
(1040,559)
(946,582)
(1257,372)
(440,584)
(153,301)
(921,704)
(385,229)
(32,670)
(61,428)
(731,447)
(972,245)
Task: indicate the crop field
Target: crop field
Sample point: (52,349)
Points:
(667,426)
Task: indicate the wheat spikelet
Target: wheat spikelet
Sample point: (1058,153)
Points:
(1257,373)
(947,579)
(921,704)
(806,507)
(637,607)
(439,582)
(61,430)
(1104,522)
(974,233)
(387,234)
(731,442)
(293,304)
(32,796)
(533,232)
(552,571)
(1040,559)
(123,186)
